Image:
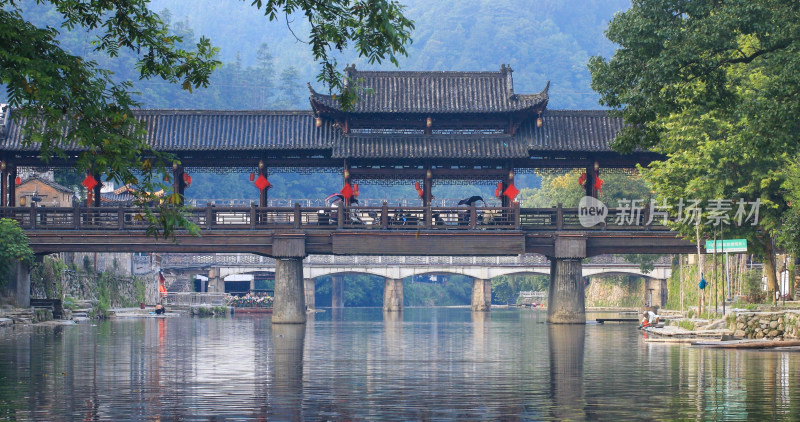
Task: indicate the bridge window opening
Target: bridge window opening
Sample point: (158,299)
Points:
(237,288)
(264,285)
(200,285)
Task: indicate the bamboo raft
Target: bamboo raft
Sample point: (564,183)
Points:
(747,344)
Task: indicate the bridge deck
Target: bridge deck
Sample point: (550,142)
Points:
(347,230)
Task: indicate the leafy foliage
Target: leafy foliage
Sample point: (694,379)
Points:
(506,288)
(714,87)
(13,248)
(377,29)
(62,99)
(564,189)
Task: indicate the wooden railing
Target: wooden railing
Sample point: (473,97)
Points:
(333,218)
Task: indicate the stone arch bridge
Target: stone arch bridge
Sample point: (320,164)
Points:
(395,268)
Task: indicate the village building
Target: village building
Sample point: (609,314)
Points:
(43,192)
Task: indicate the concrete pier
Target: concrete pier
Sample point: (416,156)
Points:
(565,298)
(393,294)
(337,291)
(290,301)
(309,288)
(481,295)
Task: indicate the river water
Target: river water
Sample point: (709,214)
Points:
(359,364)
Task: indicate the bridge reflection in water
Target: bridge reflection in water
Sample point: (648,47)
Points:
(416,365)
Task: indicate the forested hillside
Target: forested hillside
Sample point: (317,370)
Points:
(266,67)
(543,40)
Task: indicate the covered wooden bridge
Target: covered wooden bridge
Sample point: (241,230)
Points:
(420,128)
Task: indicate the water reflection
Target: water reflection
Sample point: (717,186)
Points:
(566,346)
(287,381)
(367,365)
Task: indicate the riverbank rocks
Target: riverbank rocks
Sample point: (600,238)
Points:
(766,325)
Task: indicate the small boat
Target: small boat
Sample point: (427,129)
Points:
(251,310)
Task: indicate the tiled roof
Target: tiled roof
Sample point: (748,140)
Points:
(204,130)
(434,92)
(50,183)
(430,146)
(571,130)
(235,130)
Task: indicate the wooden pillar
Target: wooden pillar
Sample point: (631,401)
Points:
(96,191)
(346,179)
(427,188)
(592,171)
(3,184)
(12,185)
(504,201)
(178,185)
(263,195)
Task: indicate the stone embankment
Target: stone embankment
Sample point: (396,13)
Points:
(766,325)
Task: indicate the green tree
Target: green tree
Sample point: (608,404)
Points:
(506,288)
(290,89)
(714,87)
(564,188)
(66,99)
(13,248)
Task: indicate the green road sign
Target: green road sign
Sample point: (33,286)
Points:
(730,245)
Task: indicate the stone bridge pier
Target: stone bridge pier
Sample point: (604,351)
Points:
(481,295)
(566,297)
(290,300)
(393,294)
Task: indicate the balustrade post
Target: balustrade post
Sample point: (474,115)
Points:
(559,217)
(297,215)
(384,216)
(252,216)
(76,215)
(209,215)
(473,216)
(516,216)
(340,216)
(428,216)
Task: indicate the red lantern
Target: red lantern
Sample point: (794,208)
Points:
(582,179)
(90,182)
(262,182)
(598,184)
(187,180)
(355,189)
(252,177)
(511,191)
(18,180)
(498,192)
(420,192)
(347,191)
